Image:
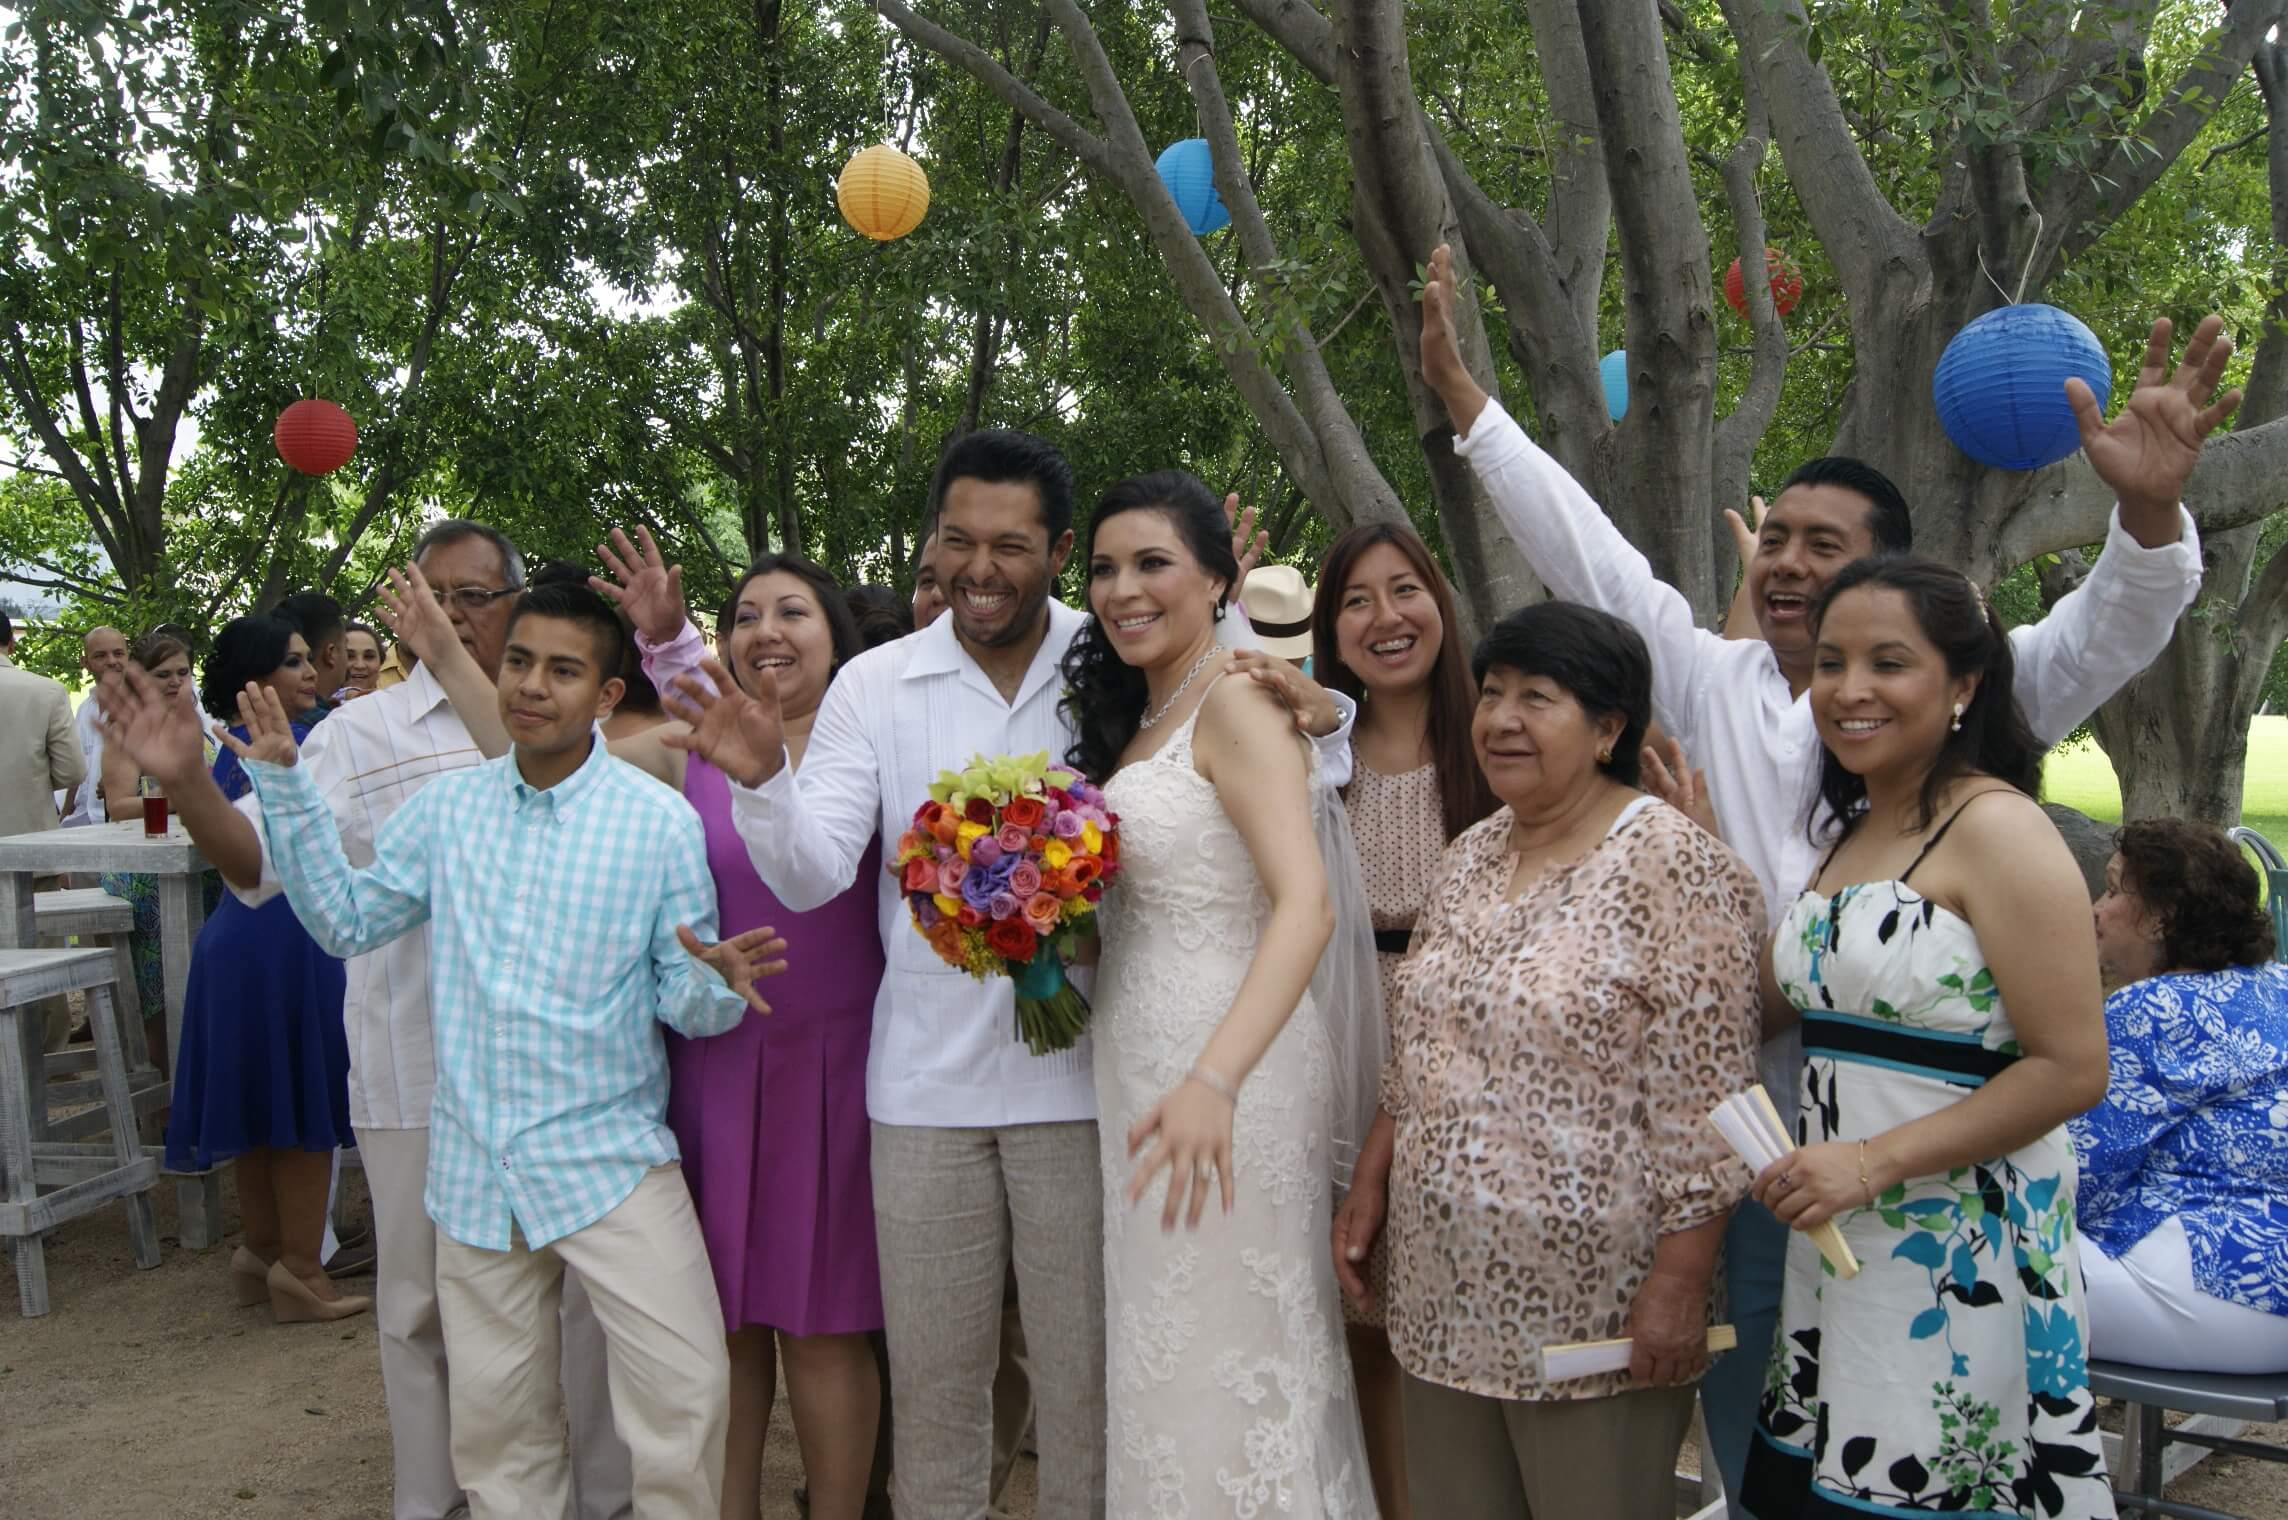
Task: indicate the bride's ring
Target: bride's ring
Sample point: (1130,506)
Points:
(1786,1182)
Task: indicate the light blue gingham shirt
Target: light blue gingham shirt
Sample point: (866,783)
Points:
(552,963)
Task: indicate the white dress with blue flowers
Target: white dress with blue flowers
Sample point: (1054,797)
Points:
(1950,1375)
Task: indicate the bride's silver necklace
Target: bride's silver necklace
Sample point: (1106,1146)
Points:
(1183,686)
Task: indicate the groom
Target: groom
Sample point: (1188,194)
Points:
(982,1151)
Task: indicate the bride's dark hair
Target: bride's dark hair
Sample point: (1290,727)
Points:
(1104,694)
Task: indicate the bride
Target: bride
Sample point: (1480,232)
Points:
(1217,1082)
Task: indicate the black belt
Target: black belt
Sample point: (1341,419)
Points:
(1393,941)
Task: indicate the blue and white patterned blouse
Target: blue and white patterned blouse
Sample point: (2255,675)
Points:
(2195,1124)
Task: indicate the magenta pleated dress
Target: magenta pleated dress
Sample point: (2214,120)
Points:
(771,1116)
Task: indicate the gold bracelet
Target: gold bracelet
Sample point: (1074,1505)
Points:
(1865,1186)
(1215,1084)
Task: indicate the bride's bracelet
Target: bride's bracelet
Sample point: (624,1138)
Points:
(1216,1084)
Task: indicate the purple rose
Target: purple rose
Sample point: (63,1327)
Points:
(983,883)
(926,911)
(985,851)
(1003,905)
(1068,825)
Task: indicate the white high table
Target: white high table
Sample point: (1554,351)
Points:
(180,870)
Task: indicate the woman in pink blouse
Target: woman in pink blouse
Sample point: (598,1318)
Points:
(1384,634)
(1580,992)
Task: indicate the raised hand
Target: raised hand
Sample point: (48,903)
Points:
(2148,451)
(1247,545)
(742,960)
(644,586)
(1442,366)
(269,736)
(162,737)
(415,617)
(1672,779)
(742,736)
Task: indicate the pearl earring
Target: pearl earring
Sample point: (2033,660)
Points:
(1957,718)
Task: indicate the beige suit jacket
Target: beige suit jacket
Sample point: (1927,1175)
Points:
(39,752)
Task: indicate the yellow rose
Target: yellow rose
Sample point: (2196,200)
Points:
(1056,854)
(949,906)
(967,835)
(1092,837)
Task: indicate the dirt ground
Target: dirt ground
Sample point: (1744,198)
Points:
(152,1394)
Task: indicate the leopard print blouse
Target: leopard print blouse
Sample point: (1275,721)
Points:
(1554,1058)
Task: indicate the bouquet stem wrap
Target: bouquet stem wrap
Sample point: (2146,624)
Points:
(1051,1013)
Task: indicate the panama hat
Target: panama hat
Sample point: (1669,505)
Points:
(1278,602)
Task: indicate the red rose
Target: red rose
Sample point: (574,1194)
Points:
(979,811)
(970,917)
(1092,892)
(1012,939)
(1024,812)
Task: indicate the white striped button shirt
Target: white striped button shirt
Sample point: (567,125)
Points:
(553,963)
(366,759)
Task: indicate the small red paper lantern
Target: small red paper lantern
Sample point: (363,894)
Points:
(1786,280)
(315,436)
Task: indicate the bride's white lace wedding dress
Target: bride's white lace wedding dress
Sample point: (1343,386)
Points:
(1229,1385)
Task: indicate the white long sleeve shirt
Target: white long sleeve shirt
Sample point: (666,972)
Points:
(1727,701)
(365,760)
(944,1050)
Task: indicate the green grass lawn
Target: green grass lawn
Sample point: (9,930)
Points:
(2082,778)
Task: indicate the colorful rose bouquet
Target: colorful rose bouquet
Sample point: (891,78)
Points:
(1003,868)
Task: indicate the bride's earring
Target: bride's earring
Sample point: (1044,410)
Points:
(1957,728)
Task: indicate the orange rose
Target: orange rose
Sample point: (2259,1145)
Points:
(946,826)
(921,875)
(1024,812)
(944,937)
(1083,870)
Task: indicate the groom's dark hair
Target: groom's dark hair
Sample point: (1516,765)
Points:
(1000,456)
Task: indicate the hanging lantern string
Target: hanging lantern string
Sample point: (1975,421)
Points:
(2024,274)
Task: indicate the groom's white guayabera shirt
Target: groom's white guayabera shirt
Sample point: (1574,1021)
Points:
(944,1052)
(1726,700)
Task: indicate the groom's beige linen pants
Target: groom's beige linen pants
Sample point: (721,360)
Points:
(952,1209)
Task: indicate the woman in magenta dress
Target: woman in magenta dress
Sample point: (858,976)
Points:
(771,1116)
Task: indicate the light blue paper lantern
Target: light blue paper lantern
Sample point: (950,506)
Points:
(2000,387)
(1189,173)
(1613,369)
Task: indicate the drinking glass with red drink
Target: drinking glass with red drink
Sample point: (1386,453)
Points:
(154,810)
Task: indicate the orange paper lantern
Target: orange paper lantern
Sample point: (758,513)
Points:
(1786,281)
(315,436)
(882,193)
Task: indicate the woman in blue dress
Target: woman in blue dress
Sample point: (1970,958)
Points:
(264,1068)
(2184,1166)
(1945,971)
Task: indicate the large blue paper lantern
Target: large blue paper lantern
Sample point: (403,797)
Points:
(1613,369)
(2000,387)
(1188,171)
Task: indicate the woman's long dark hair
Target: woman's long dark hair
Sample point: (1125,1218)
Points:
(247,649)
(1993,738)
(1104,694)
(831,605)
(1463,796)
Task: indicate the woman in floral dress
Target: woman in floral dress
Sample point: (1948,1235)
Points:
(1945,970)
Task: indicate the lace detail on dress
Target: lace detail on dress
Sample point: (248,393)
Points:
(1230,1390)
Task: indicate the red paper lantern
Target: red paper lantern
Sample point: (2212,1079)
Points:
(1786,280)
(315,436)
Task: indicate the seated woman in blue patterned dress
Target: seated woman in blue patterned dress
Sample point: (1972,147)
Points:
(2184,1166)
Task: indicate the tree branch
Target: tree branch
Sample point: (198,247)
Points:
(2263,617)
(1077,140)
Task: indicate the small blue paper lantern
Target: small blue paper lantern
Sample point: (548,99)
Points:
(1613,369)
(1188,171)
(2000,387)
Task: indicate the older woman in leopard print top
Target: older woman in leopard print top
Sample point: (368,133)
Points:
(1581,991)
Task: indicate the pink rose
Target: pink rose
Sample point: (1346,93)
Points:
(949,875)
(1012,840)
(1003,905)
(1042,910)
(1025,880)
